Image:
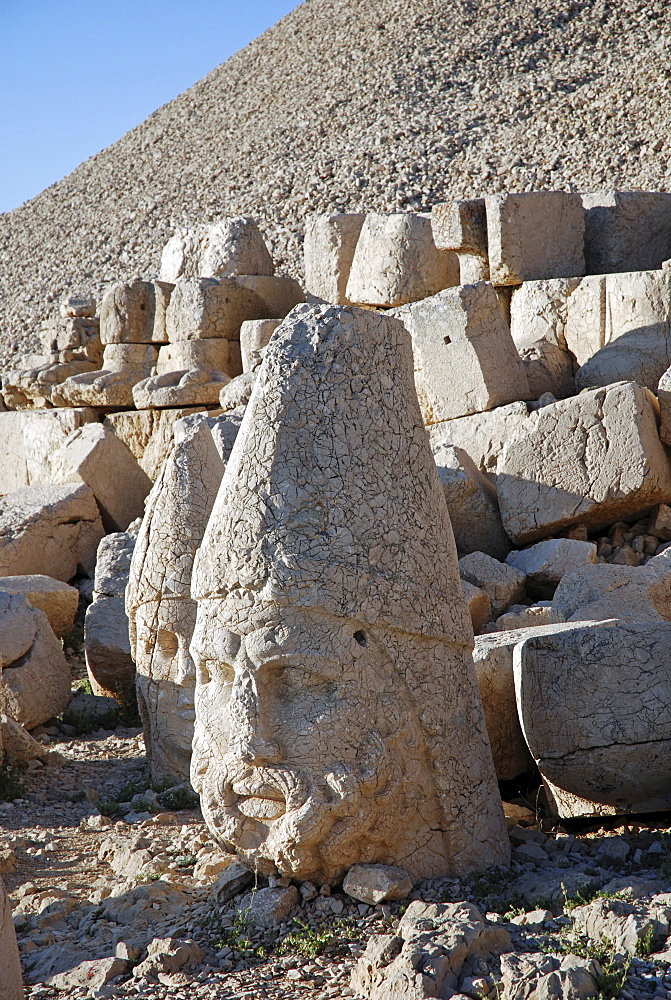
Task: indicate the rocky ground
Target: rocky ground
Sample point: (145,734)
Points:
(99,866)
(426,101)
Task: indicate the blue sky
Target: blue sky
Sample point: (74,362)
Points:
(76,74)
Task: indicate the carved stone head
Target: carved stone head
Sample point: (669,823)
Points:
(338,718)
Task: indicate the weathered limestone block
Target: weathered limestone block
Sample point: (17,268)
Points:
(56,599)
(637,338)
(133,312)
(254,335)
(538,318)
(534,235)
(112,386)
(521,616)
(17,744)
(504,584)
(225,249)
(28,439)
(481,435)
(478,604)
(464,357)
(626,230)
(51,530)
(332,580)
(106,644)
(148,434)
(200,355)
(594,458)
(34,674)
(396,261)
(33,388)
(594,708)
(96,456)
(160,610)
(328,250)
(80,334)
(472,504)
(376,883)
(190,388)
(461,226)
(237,393)
(77,305)
(427,952)
(10,983)
(545,563)
(630,593)
(205,308)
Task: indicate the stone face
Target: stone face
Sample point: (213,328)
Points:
(50,530)
(96,456)
(230,247)
(637,337)
(545,563)
(472,504)
(56,599)
(328,250)
(255,334)
(626,230)
(464,358)
(160,610)
(108,657)
(333,580)
(534,235)
(133,312)
(376,883)
(35,676)
(504,584)
(10,983)
(630,593)
(461,226)
(396,261)
(481,435)
(148,434)
(29,438)
(594,708)
(594,458)
(207,308)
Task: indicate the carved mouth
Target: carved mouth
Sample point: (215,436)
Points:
(256,807)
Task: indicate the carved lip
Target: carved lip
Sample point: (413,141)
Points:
(258,807)
(257,789)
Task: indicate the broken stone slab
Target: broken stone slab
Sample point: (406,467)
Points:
(50,530)
(268,907)
(328,251)
(534,235)
(29,438)
(626,230)
(35,676)
(77,305)
(94,455)
(11,987)
(148,434)
(464,357)
(481,435)
(637,339)
(238,392)
(538,317)
(593,704)
(461,226)
(436,938)
(472,504)
(134,312)
(396,261)
(209,308)
(520,616)
(56,599)
(109,663)
(254,335)
(594,458)
(168,955)
(478,604)
(625,925)
(503,583)
(545,563)
(376,883)
(92,974)
(224,249)
(630,593)
(111,386)
(493,659)
(659,523)
(17,744)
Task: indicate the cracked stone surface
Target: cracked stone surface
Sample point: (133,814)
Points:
(325,630)
(224,249)
(28,438)
(10,967)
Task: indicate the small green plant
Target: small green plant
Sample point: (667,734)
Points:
(179,797)
(586,894)
(307,941)
(645,944)
(83,685)
(11,782)
(613,973)
(108,808)
(186,860)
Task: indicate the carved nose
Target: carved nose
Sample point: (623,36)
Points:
(249,739)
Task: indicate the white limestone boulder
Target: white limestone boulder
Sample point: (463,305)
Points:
(461,226)
(464,357)
(328,251)
(629,593)
(472,504)
(29,438)
(478,603)
(594,707)
(593,458)
(56,599)
(481,435)
(51,530)
(133,312)
(396,261)
(109,663)
(545,563)
(148,434)
(504,584)
(254,335)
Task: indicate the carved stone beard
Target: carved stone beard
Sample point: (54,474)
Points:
(320,825)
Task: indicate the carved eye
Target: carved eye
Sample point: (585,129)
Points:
(361,637)
(167,642)
(203,675)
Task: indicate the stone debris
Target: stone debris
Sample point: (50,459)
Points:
(58,600)
(10,983)
(545,563)
(504,584)
(472,504)
(629,593)
(376,883)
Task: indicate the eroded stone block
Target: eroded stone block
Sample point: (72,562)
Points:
(481,435)
(472,504)
(224,249)
(545,563)
(205,308)
(56,599)
(106,644)
(133,312)
(330,242)
(504,584)
(148,434)
(254,335)
(461,226)
(626,230)
(11,987)
(629,593)
(29,438)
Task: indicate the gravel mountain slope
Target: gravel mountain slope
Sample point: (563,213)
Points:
(350,104)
